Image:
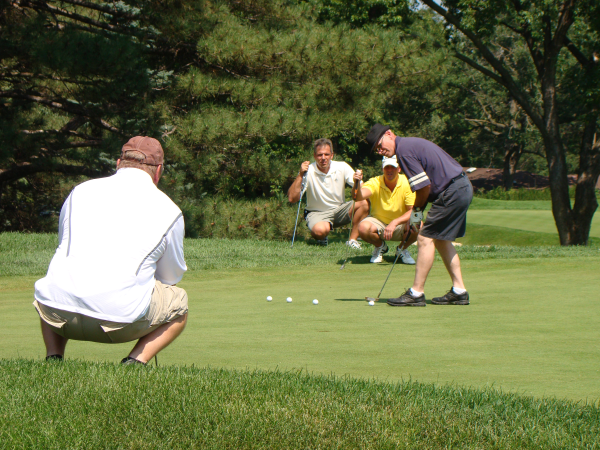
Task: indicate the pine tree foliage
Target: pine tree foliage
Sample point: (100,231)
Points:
(270,79)
(237,90)
(74,77)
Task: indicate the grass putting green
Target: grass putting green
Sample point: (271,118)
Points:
(532,326)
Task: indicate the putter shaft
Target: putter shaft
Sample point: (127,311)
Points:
(390,272)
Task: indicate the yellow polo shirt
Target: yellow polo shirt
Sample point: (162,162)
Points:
(385,204)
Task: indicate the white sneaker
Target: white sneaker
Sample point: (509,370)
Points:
(354,244)
(405,257)
(378,253)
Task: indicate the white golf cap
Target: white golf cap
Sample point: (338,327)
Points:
(390,161)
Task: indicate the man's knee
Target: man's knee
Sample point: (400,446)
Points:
(361,206)
(182,320)
(321,230)
(424,240)
(365,228)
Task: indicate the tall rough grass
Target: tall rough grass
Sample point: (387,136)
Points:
(90,405)
(29,254)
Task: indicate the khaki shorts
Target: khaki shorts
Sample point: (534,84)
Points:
(398,232)
(167,304)
(337,217)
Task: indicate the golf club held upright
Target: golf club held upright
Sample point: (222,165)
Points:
(302,187)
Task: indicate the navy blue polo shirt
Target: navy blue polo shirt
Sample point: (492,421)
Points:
(426,164)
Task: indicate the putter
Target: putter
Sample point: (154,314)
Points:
(369,299)
(299,202)
(354,189)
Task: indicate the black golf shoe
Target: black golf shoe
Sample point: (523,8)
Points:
(451,298)
(407,299)
(129,361)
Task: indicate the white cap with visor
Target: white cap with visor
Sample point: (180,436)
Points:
(390,161)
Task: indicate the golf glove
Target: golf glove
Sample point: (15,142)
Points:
(416,217)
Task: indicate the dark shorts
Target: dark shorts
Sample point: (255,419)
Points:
(447,218)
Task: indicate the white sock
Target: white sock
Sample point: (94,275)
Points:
(458,290)
(416,293)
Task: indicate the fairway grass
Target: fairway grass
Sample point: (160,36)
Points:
(532,220)
(532,327)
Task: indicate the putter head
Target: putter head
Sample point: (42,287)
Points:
(371,299)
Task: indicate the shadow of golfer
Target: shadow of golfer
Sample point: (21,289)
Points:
(355,260)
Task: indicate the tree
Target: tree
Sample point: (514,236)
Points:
(557,85)
(73,79)
(235,89)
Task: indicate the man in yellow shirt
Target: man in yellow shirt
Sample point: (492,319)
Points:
(391,203)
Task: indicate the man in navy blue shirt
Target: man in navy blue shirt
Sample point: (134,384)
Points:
(437,178)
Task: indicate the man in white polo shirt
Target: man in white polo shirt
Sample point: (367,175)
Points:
(120,254)
(326,207)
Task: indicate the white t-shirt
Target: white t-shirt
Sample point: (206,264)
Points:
(326,191)
(116,236)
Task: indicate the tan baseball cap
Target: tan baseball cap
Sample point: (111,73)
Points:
(150,147)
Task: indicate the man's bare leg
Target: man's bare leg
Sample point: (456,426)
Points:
(410,241)
(55,343)
(451,261)
(361,210)
(425,257)
(152,343)
(368,233)
(321,230)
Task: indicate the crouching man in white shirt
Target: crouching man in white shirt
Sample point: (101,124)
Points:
(326,207)
(120,254)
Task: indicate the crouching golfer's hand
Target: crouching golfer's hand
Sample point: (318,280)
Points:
(388,233)
(304,168)
(416,217)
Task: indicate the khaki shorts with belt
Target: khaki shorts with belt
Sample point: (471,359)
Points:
(337,217)
(398,231)
(167,304)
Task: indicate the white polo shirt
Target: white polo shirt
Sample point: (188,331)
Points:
(325,191)
(116,236)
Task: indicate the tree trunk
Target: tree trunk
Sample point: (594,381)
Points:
(512,155)
(559,188)
(585,192)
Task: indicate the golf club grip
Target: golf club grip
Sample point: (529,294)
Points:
(355,189)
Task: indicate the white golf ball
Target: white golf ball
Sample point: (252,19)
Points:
(269,298)
(371,303)
(289,299)
(315,302)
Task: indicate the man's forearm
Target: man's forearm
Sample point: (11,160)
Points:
(402,219)
(294,190)
(362,194)
(421,197)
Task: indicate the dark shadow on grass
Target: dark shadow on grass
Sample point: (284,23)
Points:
(365,259)
(362,299)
